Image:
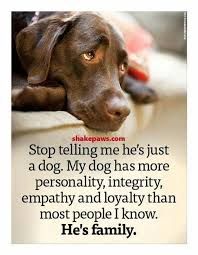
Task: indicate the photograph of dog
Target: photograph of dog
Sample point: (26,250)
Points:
(75,62)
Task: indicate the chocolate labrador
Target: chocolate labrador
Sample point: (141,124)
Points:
(74,61)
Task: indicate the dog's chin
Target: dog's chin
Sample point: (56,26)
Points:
(104,126)
(97,121)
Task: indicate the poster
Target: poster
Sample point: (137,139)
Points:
(99,127)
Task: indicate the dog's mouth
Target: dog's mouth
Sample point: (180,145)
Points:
(98,119)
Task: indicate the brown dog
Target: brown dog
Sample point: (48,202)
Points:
(76,62)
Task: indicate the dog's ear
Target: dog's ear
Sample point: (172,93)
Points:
(35,44)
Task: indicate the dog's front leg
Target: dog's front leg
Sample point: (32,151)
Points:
(39,98)
(140,93)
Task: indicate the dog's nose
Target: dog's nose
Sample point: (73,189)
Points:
(117,108)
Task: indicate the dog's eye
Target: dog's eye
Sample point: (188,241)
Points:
(89,55)
(123,67)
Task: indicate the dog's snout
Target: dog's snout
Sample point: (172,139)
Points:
(117,108)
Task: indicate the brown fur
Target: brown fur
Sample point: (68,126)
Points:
(59,77)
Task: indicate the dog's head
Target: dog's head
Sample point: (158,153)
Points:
(86,54)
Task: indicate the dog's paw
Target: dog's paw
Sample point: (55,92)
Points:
(140,93)
(15,98)
(144,95)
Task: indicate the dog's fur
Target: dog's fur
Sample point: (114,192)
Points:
(75,62)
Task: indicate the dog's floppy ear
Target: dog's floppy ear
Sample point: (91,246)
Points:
(35,44)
